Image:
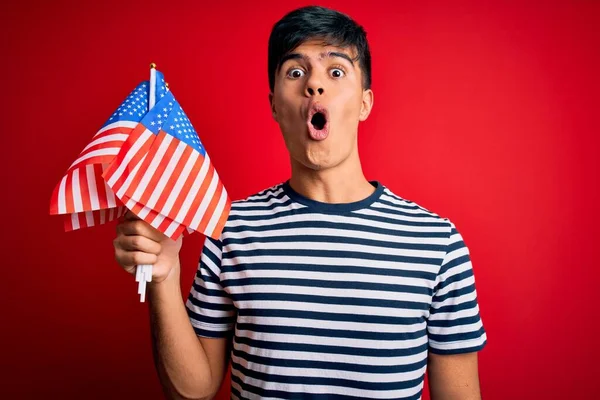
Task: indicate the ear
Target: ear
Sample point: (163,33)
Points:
(367,104)
(273,110)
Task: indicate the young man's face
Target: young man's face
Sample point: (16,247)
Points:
(318,102)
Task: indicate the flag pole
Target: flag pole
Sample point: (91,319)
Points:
(143,273)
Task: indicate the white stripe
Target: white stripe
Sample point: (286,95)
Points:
(62,204)
(118,124)
(333,246)
(199,179)
(449,330)
(115,137)
(182,178)
(341,276)
(461,344)
(147,176)
(129,156)
(339,325)
(343,358)
(172,228)
(121,191)
(455,301)
(91,180)
(102,216)
(76,191)
(398,217)
(167,174)
(343,232)
(89,218)
(110,151)
(111,214)
(75,221)
(214,219)
(337,219)
(111,201)
(329,373)
(206,199)
(249,212)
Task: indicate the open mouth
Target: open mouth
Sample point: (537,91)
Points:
(318,121)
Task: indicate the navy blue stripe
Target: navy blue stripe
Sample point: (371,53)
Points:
(348,301)
(318,348)
(209,292)
(207,278)
(338,366)
(210,320)
(461,350)
(319,381)
(302,396)
(409,204)
(332,254)
(447,323)
(346,269)
(454,279)
(381,287)
(455,293)
(332,225)
(456,262)
(271,195)
(212,334)
(337,333)
(306,211)
(266,207)
(452,308)
(324,316)
(335,239)
(398,210)
(457,337)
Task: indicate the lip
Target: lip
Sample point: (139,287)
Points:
(316,134)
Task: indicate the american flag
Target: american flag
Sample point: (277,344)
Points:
(123,149)
(165,176)
(82,195)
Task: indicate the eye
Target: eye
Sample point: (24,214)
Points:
(337,72)
(295,73)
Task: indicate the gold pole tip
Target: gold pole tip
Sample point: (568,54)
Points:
(152,65)
(167,84)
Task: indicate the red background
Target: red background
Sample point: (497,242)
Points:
(484,113)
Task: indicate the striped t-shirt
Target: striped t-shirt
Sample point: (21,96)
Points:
(336,301)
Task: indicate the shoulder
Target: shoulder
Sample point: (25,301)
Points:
(262,197)
(394,203)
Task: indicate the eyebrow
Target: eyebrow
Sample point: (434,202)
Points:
(329,54)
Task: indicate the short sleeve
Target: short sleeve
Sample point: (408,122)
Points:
(454,324)
(209,307)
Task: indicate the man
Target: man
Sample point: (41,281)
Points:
(326,285)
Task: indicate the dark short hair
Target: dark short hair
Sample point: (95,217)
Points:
(314,22)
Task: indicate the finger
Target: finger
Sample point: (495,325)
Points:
(139,243)
(130,259)
(141,228)
(130,216)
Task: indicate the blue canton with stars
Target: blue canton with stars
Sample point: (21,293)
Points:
(168,115)
(135,106)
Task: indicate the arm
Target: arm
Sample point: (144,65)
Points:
(453,377)
(188,366)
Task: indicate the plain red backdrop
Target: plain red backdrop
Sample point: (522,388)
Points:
(484,113)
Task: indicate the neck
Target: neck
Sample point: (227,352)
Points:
(344,183)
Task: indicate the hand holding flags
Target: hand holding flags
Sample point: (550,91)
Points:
(148,158)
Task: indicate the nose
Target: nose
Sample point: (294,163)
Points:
(312,90)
